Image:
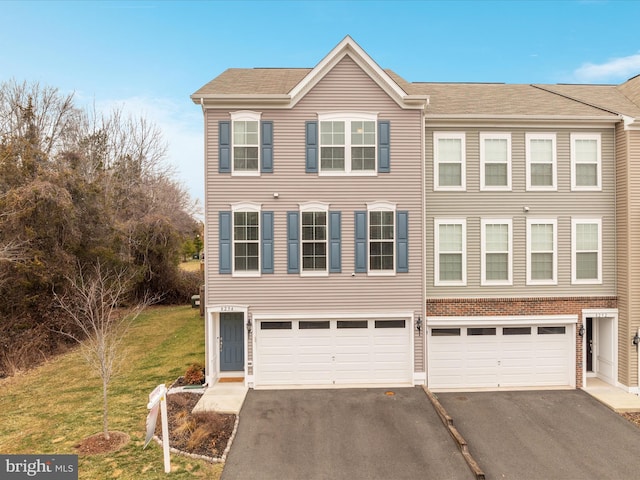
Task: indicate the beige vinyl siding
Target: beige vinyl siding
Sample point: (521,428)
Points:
(623,250)
(562,205)
(346,88)
(628,221)
(634,247)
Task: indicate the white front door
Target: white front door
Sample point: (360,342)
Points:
(605,350)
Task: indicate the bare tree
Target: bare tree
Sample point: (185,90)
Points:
(95,306)
(42,113)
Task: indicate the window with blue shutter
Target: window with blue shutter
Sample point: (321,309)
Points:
(266,147)
(293,242)
(402,241)
(311,142)
(384,141)
(335,236)
(361,241)
(267,242)
(224,150)
(224,252)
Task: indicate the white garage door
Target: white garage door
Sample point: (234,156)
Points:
(501,356)
(332,352)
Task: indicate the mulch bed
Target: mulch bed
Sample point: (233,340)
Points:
(202,433)
(96,444)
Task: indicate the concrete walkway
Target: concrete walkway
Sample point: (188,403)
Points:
(615,398)
(222,398)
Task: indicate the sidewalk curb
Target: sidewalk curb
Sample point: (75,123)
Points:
(453,431)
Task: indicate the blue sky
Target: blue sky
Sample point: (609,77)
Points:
(148,56)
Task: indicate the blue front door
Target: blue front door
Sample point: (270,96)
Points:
(231,342)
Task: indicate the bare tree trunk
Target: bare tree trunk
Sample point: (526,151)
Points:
(105,408)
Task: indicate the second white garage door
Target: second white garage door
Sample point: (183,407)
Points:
(540,355)
(333,352)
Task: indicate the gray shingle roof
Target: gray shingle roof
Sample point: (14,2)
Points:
(452,99)
(499,99)
(259,81)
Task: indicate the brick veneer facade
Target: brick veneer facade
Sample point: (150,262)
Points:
(481,307)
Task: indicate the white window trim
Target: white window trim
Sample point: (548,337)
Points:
(554,161)
(245,207)
(314,207)
(436,260)
(543,221)
(347,118)
(246,116)
(483,160)
(436,164)
(381,207)
(586,136)
(496,221)
(574,251)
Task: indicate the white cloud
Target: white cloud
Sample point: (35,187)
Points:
(181,124)
(615,70)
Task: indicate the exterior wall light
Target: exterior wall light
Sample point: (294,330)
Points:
(249,325)
(419,324)
(581,331)
(636,340)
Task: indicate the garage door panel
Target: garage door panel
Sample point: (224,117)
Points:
(327,356)
(521,357)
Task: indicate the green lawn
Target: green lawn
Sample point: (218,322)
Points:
(51,408)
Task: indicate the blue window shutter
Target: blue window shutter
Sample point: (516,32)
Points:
(224,253)
(384,140)
(402,241)
(335,236)
(267,242)
(311,135)
(293,242)
(266,153)
(224,159)
(361,241)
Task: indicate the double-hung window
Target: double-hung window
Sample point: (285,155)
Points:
(586,170)
(245,236)
(586,241)
(246,241)
(495,161)
(381,238)
(496,252)
(542,255)
(348,144)
(314,238)
(449,161)
(540,151)
(246,142)
(450,262)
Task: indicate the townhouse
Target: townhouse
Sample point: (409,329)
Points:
(364,230)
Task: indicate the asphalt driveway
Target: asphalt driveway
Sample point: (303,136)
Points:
(348,434)
(545,435)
